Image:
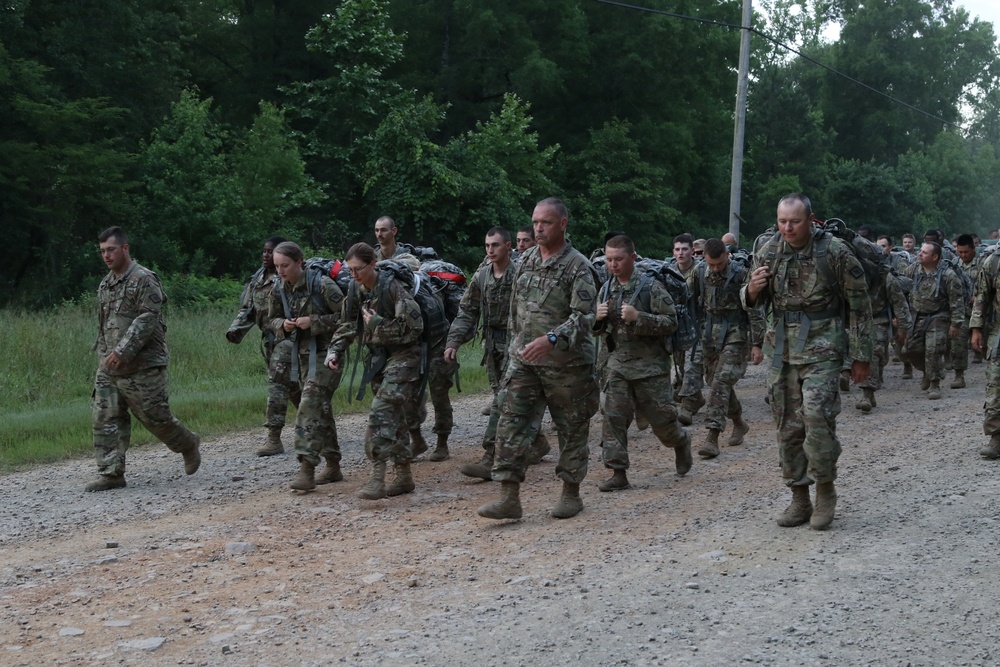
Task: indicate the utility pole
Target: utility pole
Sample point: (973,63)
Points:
(736,183)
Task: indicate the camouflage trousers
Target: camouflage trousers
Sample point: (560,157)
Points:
(880,355)
(572,397)
(280,388)
(315,427)
(958,348)
(726,367)
(991,408)
(440,378)
(495,359)
(692,372)
(496,364)
(394,409)
(653,397)
(926,346)
(145,394)
(805,402)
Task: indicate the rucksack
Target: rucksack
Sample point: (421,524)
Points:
(686,334)
(334,269)
(448,281)
(422,253)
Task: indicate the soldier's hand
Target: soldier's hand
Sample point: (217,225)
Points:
(859,371)
(758,282)
(901,337)
(629,313)
(977,340)
(288,325)
(113,361)
(333,362)
(303,322)
(231,336)
(602,311)
(366,314)
(953,331)
(450,354)
(756,355)
(537,349)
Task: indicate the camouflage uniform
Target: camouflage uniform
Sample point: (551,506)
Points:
(558,295)
(888,303)
(937,301)
(725,340)
(690,364)
(130,323)
(277,354)
(638,368)
(400,249)
(985,310)
(958,347)
(318,297)
(393,332)
(806,341)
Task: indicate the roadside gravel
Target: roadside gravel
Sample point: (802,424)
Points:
(229,567)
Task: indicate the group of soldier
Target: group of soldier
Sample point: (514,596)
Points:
(556,336)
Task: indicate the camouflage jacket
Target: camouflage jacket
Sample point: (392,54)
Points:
(636,350)
(889,301)
(253,307)
(486,300)
(938,293)
(725,320)
(694,275)
(395,327)
(986,302)
(807,309)
(559,295)
(323,307)
(972,270)
(400,249)
(130,321)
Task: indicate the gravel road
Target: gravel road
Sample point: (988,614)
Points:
(229,567)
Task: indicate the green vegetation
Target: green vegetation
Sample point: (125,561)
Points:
(47,379)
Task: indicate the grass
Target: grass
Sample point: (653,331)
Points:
(47,377)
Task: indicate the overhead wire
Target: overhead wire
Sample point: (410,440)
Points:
(782,45)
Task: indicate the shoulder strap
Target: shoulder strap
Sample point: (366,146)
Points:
(644,282)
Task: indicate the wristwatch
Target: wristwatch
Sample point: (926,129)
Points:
(552,338)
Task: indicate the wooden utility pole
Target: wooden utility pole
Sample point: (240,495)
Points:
(736,183)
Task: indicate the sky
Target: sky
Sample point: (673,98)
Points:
(987,10)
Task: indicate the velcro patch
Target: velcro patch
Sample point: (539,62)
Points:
(415,314)
(155,298)
(337,298)
(857,272)
(584,295)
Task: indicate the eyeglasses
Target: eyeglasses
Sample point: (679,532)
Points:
(356,270)
(698,253)
(110,250)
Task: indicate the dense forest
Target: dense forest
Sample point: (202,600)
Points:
(203,127)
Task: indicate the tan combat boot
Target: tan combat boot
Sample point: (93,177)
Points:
(990,451)
(866,402)
(486,410)
(375,488)
(740,429)
(959,381)
(305,480)
(539,448)
(273,445)
(845,381)
(482,469)
(907,371)
(402,481)
(925,382)
(617,482)
(800,509)
(192,457)
(509,505)
(108,482)
(417,443)
(569,503)
(440,452)
(826,506)
(690,405)
(682,454)
(710,448)
(331,473)
(934,393)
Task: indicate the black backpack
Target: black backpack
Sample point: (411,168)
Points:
(448,281)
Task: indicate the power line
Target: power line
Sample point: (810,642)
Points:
(810,59)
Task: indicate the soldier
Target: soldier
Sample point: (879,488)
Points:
(384,313)
(727,344)
(132,373)
(487,300)
(277,358)
(690,368)
(983,324)
(910,246)
(552,362)
(808,331)
(385,233)
(968,261)
(304,308)
(635,313)
(898,263)
(936,299)
(525,239)
(891,321)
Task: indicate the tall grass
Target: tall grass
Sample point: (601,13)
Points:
(46,379)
